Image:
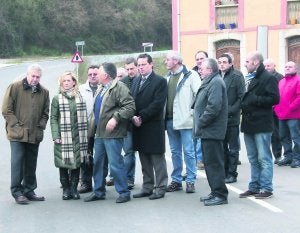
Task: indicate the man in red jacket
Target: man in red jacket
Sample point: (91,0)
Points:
(288,112)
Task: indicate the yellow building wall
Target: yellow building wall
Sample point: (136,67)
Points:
(266,12)
(194,15)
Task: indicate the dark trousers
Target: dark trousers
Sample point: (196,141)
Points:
(275,139)
(213,158)
(86,170)
(154,169)
(23,167)
(231,151)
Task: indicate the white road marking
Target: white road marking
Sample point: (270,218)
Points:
(238,191)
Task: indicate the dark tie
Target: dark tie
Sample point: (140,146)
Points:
(143,79)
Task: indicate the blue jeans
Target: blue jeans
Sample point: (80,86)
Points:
(260,158)
(110,147)
(178,140)
(129,157)
(289,131)
(198,149)
(23,167)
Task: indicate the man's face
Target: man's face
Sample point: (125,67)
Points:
(144,67)
(102,76)
(251,64)
(205,71)
(33,77)
(170,63)
(92,76)
(199,59)
(290,68)
(269,66)
(132,70)
(224,64)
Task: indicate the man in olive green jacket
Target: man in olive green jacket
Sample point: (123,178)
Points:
(26,111)
(113,108)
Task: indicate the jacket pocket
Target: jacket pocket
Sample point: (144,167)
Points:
(15,132)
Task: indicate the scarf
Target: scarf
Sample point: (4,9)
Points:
(248,79)
(67,149)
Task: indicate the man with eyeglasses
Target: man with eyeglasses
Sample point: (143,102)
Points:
(88,91)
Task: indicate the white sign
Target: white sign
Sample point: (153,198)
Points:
(77,58)
(79,43)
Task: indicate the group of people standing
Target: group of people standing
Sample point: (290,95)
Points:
(98,126)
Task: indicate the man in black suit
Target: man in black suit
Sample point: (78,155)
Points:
(149,91)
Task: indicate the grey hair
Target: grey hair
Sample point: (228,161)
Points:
(110,69)
(36,67)
(212,63)
(176,56)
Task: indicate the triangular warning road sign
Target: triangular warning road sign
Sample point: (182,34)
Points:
(77,58)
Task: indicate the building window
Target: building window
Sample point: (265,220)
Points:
(226,14)
(293,14)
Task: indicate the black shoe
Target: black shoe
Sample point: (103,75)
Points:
(215,201)
(263,195)
(155,196)
(93,197)
(295,163)
(130,185)
(190,188)
(142,194)
(209,196)
(22,200)
(174,186)
(248,193)
(284,162)
(110,183)
(230,179)
(184,177)
(34,197)
(121,199)
(85,188)
(276,161)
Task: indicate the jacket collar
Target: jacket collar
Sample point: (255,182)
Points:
(27,86)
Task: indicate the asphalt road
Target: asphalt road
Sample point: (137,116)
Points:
(177,212)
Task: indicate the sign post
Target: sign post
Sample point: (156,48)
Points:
(80,43)
(77,59)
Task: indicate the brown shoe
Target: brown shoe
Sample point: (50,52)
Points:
(248,193)
(22,200)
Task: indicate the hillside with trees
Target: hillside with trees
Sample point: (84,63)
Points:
(42,27)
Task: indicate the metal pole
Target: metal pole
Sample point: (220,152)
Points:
(77,71)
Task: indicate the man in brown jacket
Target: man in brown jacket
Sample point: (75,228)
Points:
(26,111)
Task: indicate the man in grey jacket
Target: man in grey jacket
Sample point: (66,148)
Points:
(210,123)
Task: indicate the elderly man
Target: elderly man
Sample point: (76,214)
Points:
(288,112)
(257,125)
(26,111)
(183,85)
(210,121)
(275,140)
(113,107)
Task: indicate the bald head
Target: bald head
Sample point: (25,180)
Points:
(269,65)
(290,68)
(253,61)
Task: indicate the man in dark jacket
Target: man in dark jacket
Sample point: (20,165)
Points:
(257,125)
(150,93)
(235,88)
(26,112)
(210,122)
(275,140)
